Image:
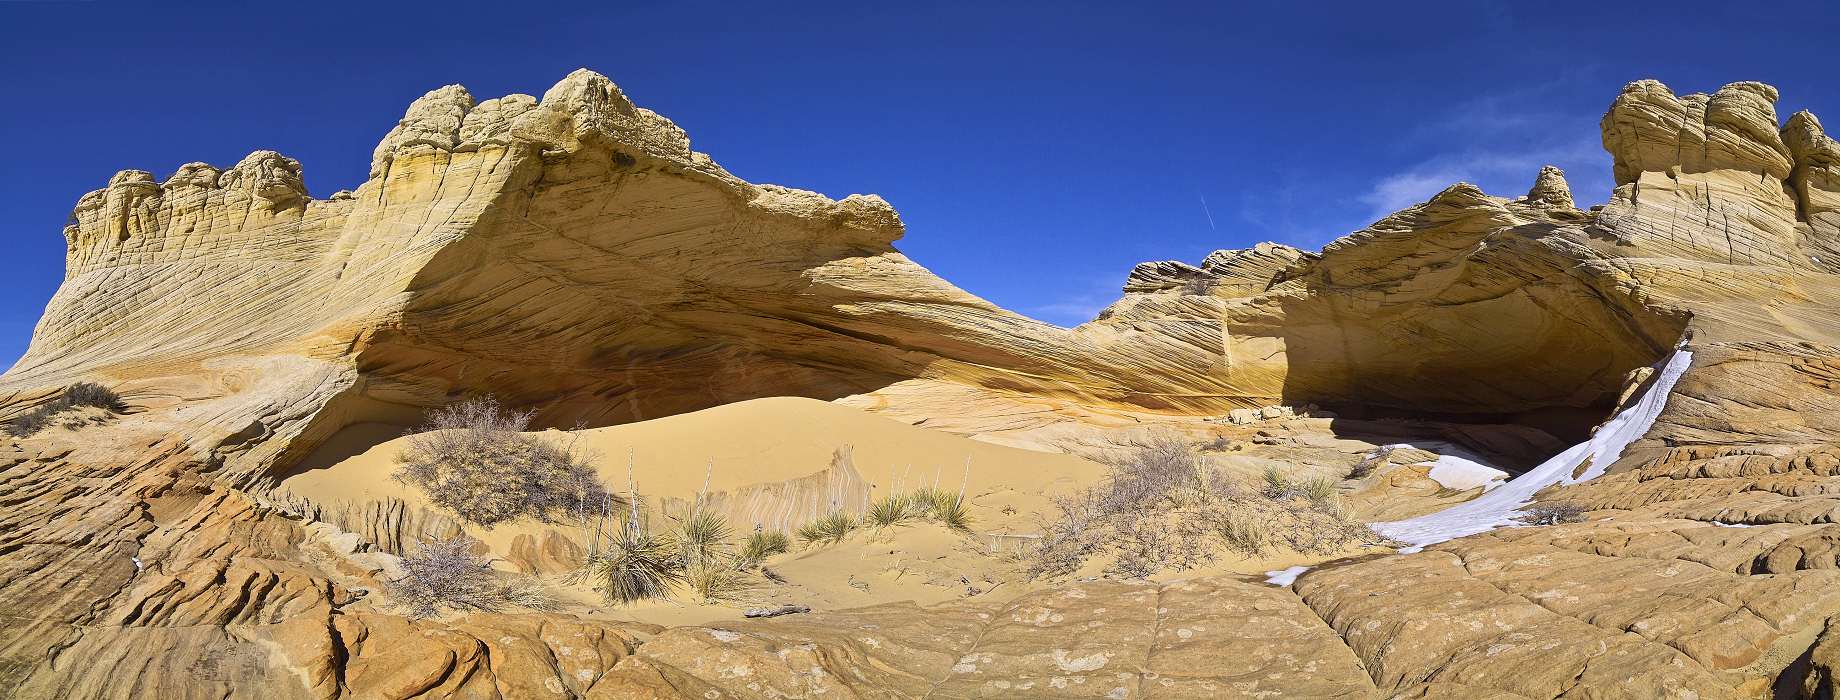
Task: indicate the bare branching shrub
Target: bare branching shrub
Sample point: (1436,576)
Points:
(1552,513)
(1162,510)
(445,575)
(474,460)
(1372,461)
(1142,551)
(1219,444)
(75,395)
(1163,469)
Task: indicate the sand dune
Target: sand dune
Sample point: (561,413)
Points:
(764,443)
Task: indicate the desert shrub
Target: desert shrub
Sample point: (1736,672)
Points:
(1069,539)
(1141,552)
(1219,444)
(1372,461)
(474,460)
(829,529)
(446,575)
(893,509)
(75,395)
(1162,510)
(1552,513)
(1165,468)
(30,423)
(763,544)
(702,537)
(1199,286)
(93,394)
(635,565)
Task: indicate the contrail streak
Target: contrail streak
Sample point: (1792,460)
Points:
(1210,214)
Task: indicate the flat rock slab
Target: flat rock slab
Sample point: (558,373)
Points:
(1207,638)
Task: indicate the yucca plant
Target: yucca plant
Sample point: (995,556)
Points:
(829,529)
(1276,485)
(763,544)
(702,537)
(635,566)
(892,510)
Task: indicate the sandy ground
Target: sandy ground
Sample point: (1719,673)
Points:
(784,448)
(773,440)
(761,441)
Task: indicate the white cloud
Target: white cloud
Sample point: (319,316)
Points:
(1401,190)
(1498,142)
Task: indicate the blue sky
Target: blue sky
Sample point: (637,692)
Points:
(1036,151)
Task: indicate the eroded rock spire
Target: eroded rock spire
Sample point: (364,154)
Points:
(1551,190)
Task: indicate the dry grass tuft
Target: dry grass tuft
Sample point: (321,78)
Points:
(894,509)
(946,507)
(829,529)
(717,582)
(763,544)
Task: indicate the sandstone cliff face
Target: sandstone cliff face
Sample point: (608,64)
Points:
(572,254)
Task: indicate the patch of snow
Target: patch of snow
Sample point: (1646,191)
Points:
(1461,474)
(1409,550)
(1719,524)
(1456,468)
(1498,507)
(1285,577)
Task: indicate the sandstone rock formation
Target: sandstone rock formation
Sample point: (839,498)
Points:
(573,255)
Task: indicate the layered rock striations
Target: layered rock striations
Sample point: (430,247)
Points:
(572,254)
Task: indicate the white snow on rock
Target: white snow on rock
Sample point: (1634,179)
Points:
(1456,472)
(1285,577)
(1498,506)
(1455,468)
